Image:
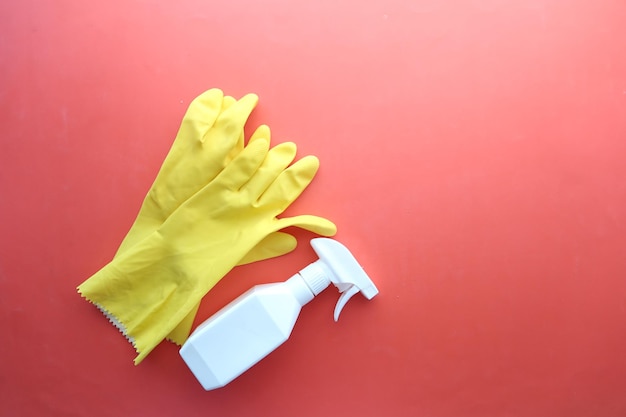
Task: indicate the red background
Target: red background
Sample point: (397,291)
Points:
(473,156)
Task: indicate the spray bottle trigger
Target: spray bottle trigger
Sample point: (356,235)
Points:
(346,294)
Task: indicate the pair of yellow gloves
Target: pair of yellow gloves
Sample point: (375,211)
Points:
(213,205)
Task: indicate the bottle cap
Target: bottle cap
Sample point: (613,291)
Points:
(339,266)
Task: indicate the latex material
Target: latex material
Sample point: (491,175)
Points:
(150,288)
(199,152)
(257,322)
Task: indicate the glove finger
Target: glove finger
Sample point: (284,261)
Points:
(278,158)
(262,132)
(315,224)
(244,166)
(227,102)
(290,184)
(201,114)
(225,139)
(231,121)
(273,245)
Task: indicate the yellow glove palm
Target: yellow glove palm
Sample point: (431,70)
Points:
(210,135)
(152,286)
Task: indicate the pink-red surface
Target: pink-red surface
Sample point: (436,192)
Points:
(473,156)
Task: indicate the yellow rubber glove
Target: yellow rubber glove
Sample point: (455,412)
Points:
(147,290)
(203,146)
(198,154)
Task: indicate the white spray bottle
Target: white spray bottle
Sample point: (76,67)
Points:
(257,322)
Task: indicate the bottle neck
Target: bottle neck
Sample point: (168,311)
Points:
(316,276)
(299,289)
(309,282)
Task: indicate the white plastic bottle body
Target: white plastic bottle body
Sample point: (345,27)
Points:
(244,332)
(260,320)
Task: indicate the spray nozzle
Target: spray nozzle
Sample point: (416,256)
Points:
(337,265)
